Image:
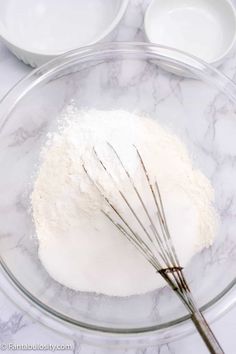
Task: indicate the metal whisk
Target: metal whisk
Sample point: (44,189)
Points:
(154,242)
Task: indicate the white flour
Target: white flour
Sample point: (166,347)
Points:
(78,246)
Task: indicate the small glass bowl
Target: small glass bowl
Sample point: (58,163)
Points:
(118,76)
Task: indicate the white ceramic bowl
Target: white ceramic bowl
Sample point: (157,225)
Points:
(204,28)
(37,31)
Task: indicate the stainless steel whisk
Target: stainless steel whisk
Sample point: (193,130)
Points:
(157,246)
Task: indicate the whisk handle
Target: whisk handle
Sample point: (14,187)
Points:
(206,333)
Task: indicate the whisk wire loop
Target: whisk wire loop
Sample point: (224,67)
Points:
(157,246)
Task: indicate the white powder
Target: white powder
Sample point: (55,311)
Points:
(78,245)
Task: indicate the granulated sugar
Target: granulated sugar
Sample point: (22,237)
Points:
(78,245)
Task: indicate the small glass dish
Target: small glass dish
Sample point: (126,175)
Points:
(125,76)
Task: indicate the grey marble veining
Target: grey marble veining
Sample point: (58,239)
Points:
(17,326)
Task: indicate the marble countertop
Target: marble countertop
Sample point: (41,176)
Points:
(17,326)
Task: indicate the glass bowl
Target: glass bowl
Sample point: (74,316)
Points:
(131,77)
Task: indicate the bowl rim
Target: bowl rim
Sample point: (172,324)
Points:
(96,337)
(113,24)
(17,92)
(218,59)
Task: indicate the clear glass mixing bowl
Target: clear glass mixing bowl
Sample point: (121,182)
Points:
(131,77)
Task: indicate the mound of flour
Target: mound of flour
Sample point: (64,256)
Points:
(78,245)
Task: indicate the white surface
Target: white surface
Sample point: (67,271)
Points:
(204,28)
(18,327)
(37,31)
